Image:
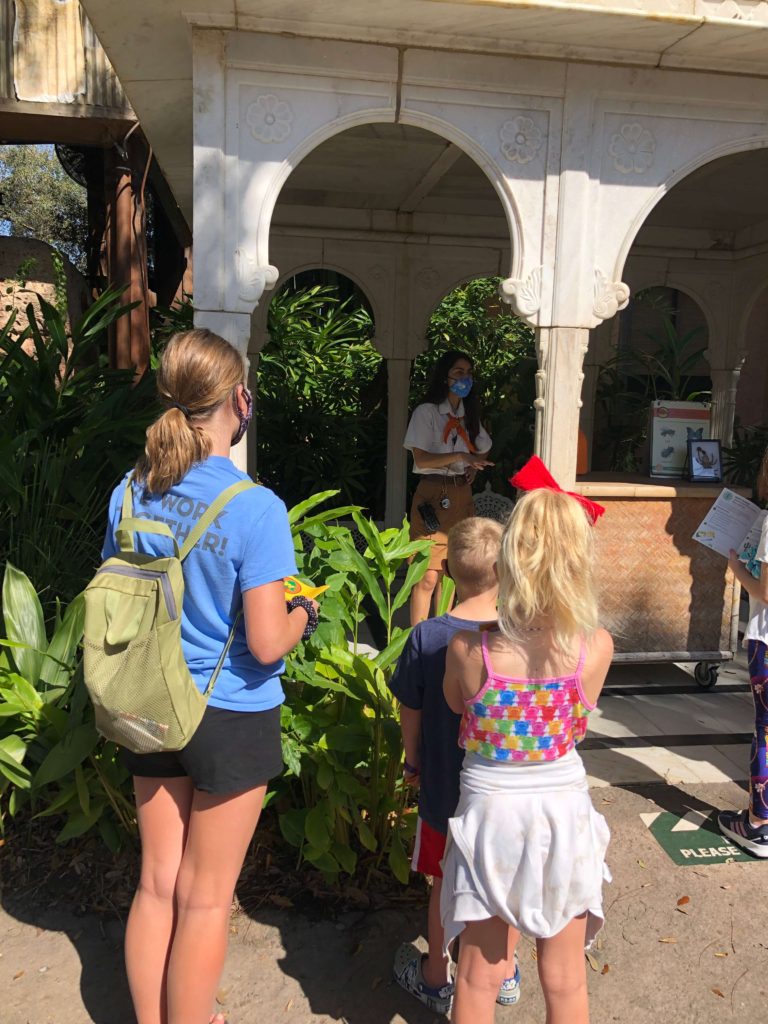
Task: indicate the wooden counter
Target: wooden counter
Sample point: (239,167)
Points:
(663,595)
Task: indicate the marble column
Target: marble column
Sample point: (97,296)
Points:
(559,381)
(236,329)
(398,378)
(724,385)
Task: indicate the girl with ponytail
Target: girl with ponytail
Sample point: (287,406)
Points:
(197,808)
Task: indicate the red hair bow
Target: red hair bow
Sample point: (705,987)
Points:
(535,474)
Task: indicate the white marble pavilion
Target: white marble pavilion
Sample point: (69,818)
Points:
(581,152)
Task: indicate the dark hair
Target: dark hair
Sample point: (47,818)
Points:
(437,389)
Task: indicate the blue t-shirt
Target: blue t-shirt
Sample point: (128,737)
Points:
(248,544)
(418,683)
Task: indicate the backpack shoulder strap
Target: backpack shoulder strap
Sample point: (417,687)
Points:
(211,512)
(128,497)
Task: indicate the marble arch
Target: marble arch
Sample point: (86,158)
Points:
(707,156)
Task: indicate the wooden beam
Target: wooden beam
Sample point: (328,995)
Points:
(127,254)
(437,169)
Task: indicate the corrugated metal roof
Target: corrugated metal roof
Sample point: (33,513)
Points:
(49,53)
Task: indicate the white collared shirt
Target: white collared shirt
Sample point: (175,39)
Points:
(426,430)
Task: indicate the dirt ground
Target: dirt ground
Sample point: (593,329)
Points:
(705,961)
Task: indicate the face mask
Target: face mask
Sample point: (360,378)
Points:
(245,418)
(461,387)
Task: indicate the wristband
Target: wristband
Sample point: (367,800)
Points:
(309,608)
(410,768)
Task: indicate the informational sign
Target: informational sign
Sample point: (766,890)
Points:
(673,425)
(693,840)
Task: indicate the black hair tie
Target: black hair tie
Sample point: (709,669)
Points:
(187,412)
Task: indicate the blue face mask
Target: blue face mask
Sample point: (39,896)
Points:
(461,387)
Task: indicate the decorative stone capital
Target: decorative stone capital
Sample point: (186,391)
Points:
(252,280)
(609,296)
(523,294)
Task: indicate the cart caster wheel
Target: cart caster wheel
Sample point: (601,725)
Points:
(706,675)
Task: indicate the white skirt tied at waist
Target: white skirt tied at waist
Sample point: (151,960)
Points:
(525,845)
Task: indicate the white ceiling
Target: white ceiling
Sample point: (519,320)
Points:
(148,42)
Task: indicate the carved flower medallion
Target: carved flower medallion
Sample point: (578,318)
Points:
(633,149)
(521,139)
(269,119)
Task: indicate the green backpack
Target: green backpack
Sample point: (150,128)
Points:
(135,672)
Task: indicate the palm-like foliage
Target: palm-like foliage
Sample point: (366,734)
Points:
(321,398)
(69,427)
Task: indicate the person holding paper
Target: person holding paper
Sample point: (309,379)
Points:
(749,828)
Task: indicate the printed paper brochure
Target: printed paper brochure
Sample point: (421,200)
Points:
(733,522)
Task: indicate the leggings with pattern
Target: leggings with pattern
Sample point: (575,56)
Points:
(758,765)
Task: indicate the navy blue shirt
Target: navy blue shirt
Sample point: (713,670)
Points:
(418,683)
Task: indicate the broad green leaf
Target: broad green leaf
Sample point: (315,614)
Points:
(324,775)
(23,615)
(367,838)
(322,859)
(295,513)
(291,755)
(79,823)
(67,755)
(83,793)
(20,691)
(302,726)
(64,644)
(345,856)
(292,826)
(317,827)
(447,591)
(15,747)
(372,538)
(112,837)
(398,861)
(13,771)
(346,740)
(416,570)
(66,796)
(384,659)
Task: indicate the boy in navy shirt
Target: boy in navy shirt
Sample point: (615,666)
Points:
(433,757)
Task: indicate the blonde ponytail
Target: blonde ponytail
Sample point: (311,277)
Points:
(198,371)
(546,568)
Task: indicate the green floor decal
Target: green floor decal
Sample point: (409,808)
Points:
(692,840)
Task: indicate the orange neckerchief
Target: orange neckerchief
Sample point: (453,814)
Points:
(454,423)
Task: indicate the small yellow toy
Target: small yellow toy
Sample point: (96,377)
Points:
(295,587)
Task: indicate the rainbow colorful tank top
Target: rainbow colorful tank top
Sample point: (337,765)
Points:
(525,719)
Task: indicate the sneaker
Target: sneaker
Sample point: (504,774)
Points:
(735,825)
(407,974)
(509,993)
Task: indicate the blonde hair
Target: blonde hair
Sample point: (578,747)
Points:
(198,370)
(545,568)
(473,549)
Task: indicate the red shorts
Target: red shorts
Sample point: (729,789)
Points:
(429,850)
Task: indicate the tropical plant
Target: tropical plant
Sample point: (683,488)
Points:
(474,319)
(69,427)
(321,398)
(638,375)
(52,761)
(342,793)
(743,457)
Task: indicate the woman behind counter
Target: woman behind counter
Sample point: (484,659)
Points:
(449,445)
